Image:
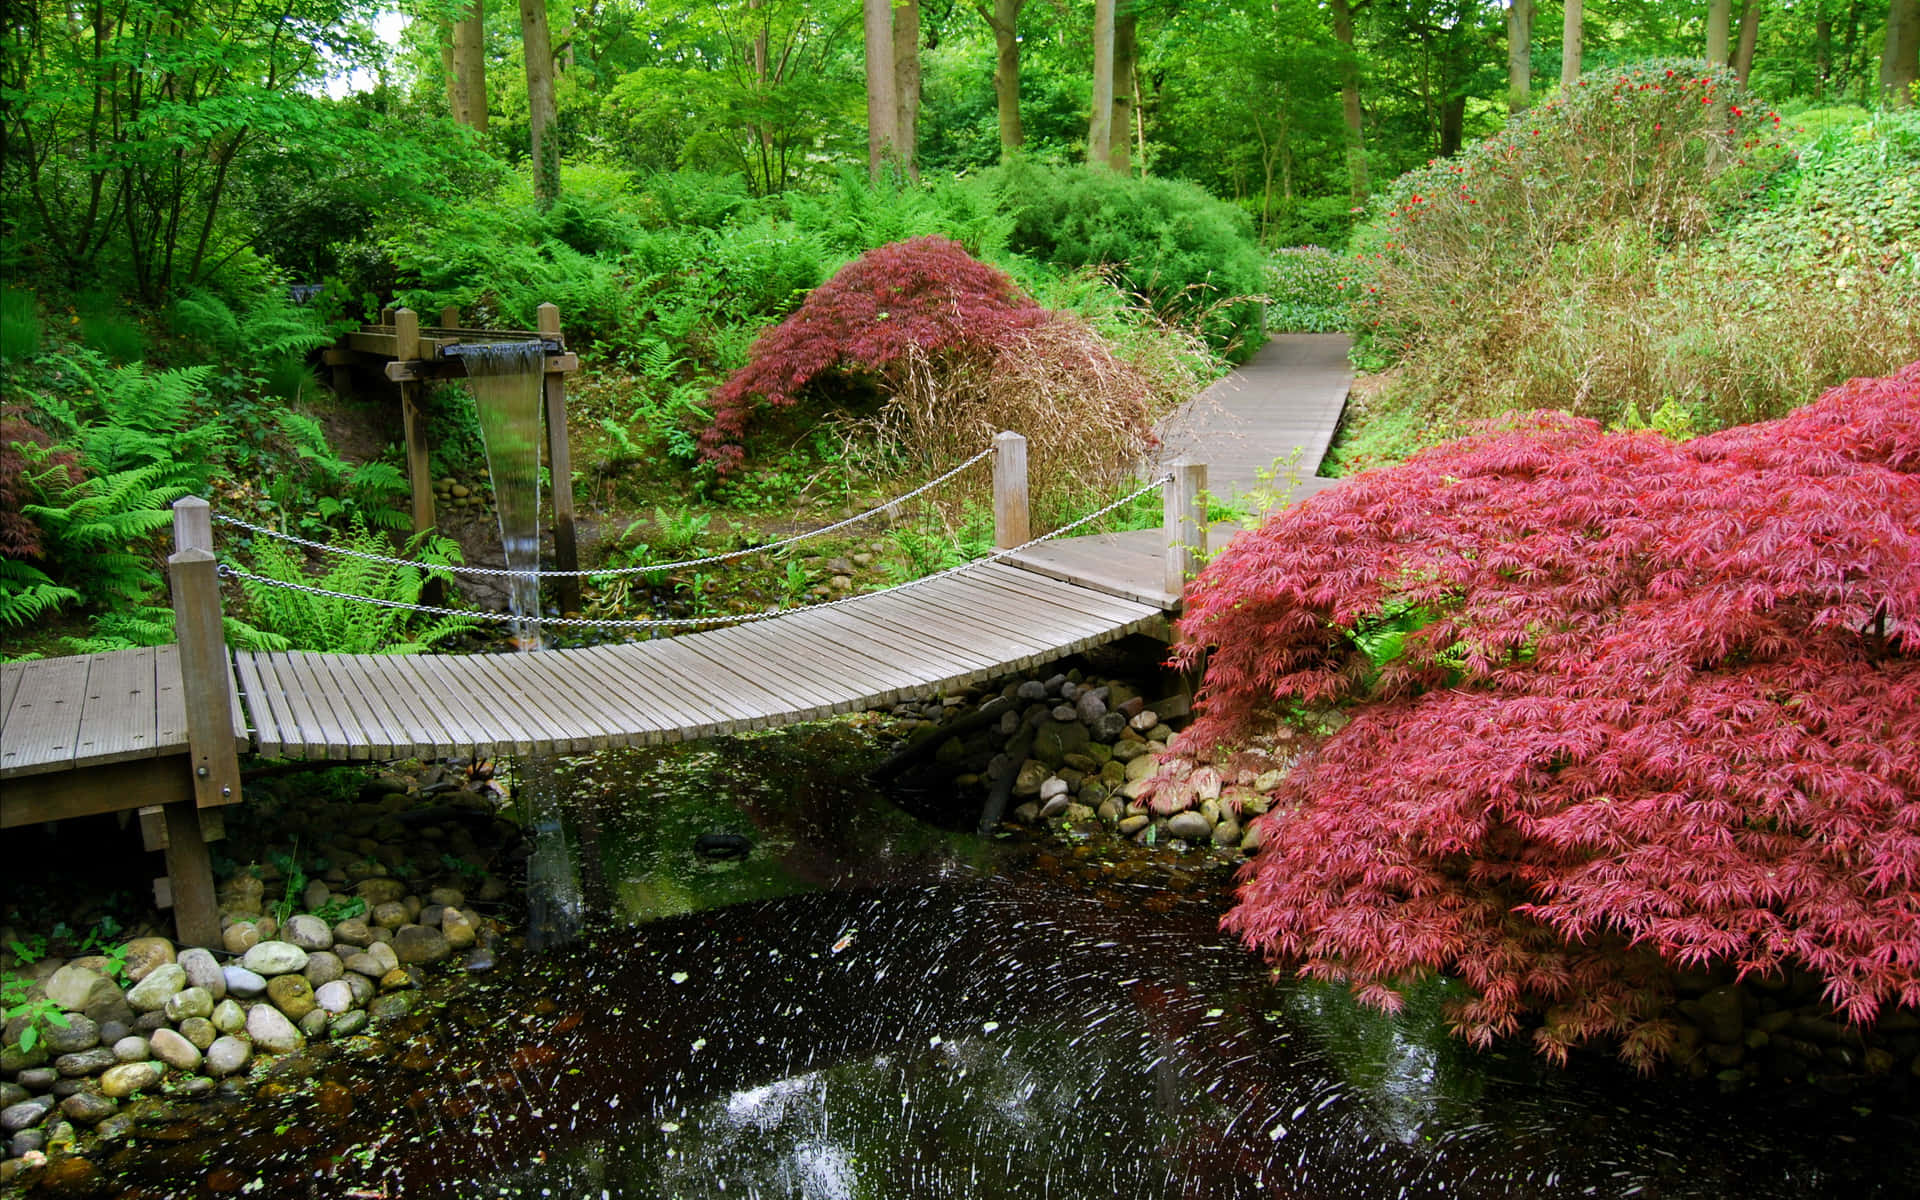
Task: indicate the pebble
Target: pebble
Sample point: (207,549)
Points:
(143,955)
(323,967)
(86,1062)
(240,937)
(26,1113)
(73,988)
(419,945)
(271,1030)
(88,1108)
(227,1055)
(274,958)
(229,1017)
(175,1050)
(189,1003)
(309,933)
(203,971)
(79,1033)
(243,983)
(132,1048)
(161,984)
(291,994)
(1189,825)
(198,1030)
(127,1078)
(334,997)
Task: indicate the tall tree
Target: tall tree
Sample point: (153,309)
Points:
(1719,22)
(1519,54)
(1571,36)
(1100,125)
(467,84)
(1900,55)
(1003,18)
(906,82)
(883,103)
(538,49)
(1749,38)
(1126,54)
(1358,184)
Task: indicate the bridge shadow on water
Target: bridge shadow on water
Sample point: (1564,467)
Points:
(866,1006)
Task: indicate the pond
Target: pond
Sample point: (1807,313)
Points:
(869,1006)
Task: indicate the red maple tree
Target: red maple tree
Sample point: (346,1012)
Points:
(1617,704)
(888,308)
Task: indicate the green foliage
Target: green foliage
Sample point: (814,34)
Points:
(331,491)
(27,594)
(1192,257)
(19,325)
(1308,290)
(109,330)
(312,622)
(17,1000)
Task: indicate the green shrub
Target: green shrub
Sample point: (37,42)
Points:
(326,623)
(19,326)
(110,330)
(1307,290)
(1191,256)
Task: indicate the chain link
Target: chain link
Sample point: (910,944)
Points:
(693,622)
(610,572)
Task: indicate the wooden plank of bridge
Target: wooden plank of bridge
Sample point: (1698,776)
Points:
(1036,616)
(43,724)
(950,617)
(559,673)
(747,707)
(315,732)
(910,644)
(1068,612)
(264,707)
(119,721)
(661,711)
(516,681)
(10,674)
(169,700)
(377,731)
(839,668)
(455,730)
(496,730)
(763,662)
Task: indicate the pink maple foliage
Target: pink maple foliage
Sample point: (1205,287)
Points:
(1645,704)
(922,297)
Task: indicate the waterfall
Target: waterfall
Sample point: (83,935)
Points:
(507,378)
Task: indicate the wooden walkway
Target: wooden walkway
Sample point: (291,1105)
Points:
(1283,405)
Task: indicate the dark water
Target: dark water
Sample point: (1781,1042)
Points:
(877,1009)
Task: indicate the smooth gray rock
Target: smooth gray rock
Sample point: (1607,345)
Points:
(198,1030)
(271,1030)
(189,1003)
(133,1048)
(227,1055)
(274,958)
(323,966)
(25,1114)
(88,1108)
(243,983)
(229,1017)
(203,971)
(335,996)
(309,933)
(127,1078)
(74,987)
(79,1033)
(1189,825)
(162,984)
(86,1062)
(175,1050)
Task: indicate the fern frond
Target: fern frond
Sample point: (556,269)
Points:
(27,594)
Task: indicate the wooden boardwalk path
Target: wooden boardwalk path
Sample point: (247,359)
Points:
(1282,405)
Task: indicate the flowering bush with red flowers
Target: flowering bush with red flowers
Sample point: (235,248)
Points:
(1617,705)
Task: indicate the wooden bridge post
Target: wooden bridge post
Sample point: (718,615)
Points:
(566,555)
(205,690)
(1010,520)
(406,348)
(1186,522)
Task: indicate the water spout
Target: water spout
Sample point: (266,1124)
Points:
(506,378)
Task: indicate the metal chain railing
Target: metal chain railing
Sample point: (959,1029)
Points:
(605,572)
(696,622)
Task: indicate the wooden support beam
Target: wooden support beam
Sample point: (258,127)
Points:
(1186,524)
(566,554)
(450,317)
(451,368)
(205,690)
(116,787)
(1010,518)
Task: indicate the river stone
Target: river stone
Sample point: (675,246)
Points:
(74,987)
(314,1023)
(335,996)
(364,965)
(132,1048)
(271,1031)
(275,958)
(227,1055)
(147,1022)
(382,952)
(1189,825)
(1128,750)
(1054,807)
(1253,838)
(203,971)
(458,928)
(242,982)
(1090,708)
(189,1003)
(1717,1012)
(141,955)
(88,1108)
(1054,740)
(1031,690)
(1129,826)
(347,1023)
(391,1006)
(1027,813)
(1051,787)
(25,1114)
(228,1017)
(200,1031)
(391,915)
(85,1062)
(1141,767)
(398,978)
(479,960)
(175,1050)
(1031,775)
(446,897)
(323,966)
(127,1078)
(307,932)
(240,937)
(379,890)
(315,896)
(80,1033)
(351,932)
(1110,809)
(1226,833)
(160,985)
(291,994)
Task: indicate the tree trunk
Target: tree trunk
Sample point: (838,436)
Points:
(468,88)
(906,81)
(1004,19)
(1719,20)
(1453,123)
(1822,55)
(1100,125)
(1519,54)
(1350,104)
(1571,36)
(1749,36)
(1900,57)
(1125,53)
(538,50)
(883,107)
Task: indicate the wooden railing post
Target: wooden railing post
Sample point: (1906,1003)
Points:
(406,348)
(205,691)
(1186,522)
(1010,521)
(566,554)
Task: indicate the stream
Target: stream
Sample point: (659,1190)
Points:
(870,1006)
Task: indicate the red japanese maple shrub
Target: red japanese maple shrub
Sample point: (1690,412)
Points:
(1618,704)
(957,353)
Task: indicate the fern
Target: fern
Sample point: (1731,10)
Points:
(26,594)
(272,328)
(95,526)
(310,622)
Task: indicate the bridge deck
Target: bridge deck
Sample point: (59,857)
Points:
(92,710)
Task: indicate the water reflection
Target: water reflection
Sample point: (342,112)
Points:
(1024,1025)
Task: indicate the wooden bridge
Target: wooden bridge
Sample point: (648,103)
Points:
(161,729)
